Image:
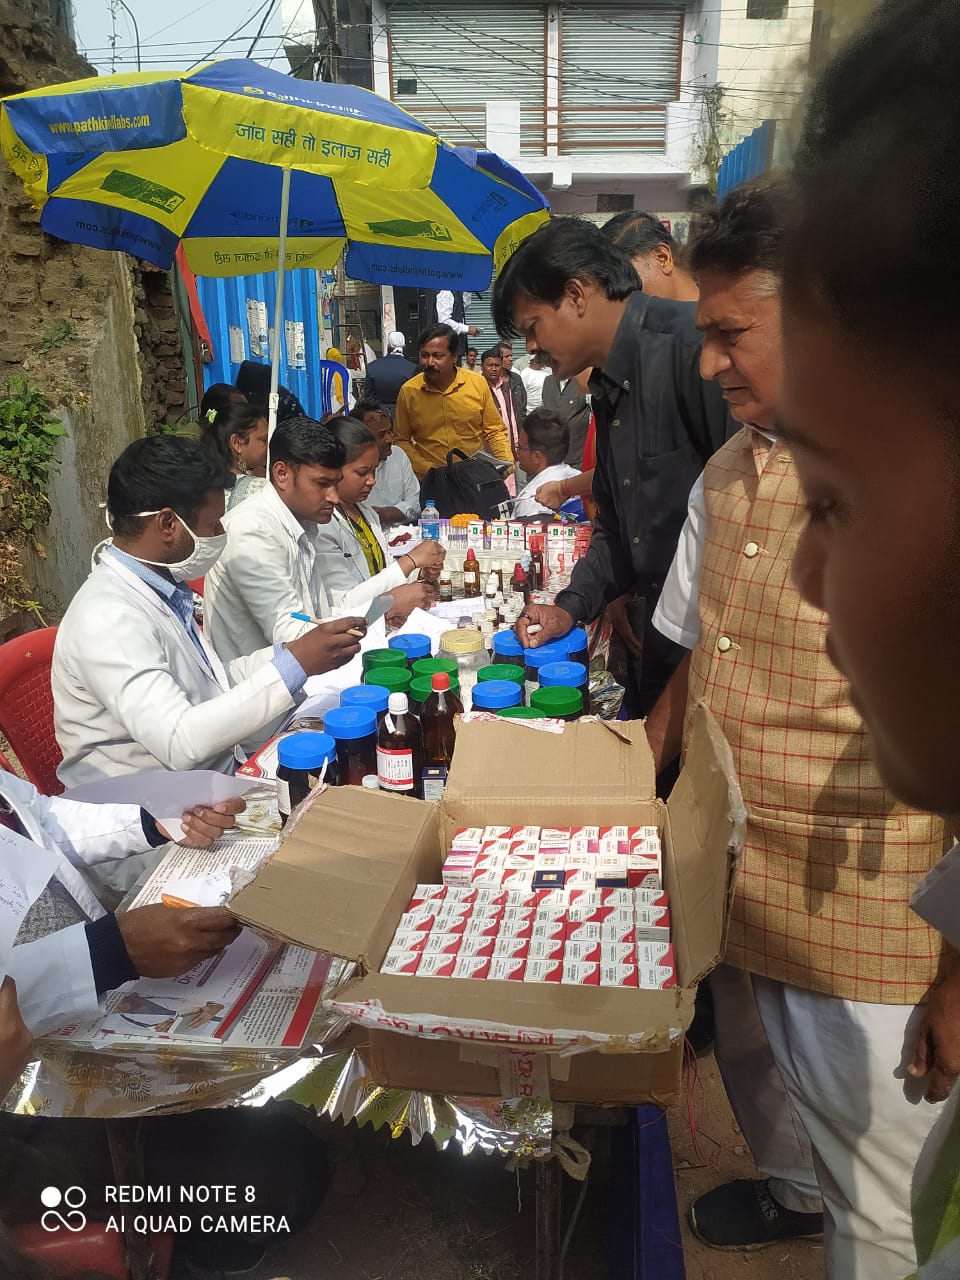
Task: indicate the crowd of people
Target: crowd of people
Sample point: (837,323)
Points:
(769,451)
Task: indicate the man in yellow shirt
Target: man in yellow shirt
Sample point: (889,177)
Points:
(445,407)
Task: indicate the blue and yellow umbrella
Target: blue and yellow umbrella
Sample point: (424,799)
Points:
(251,170)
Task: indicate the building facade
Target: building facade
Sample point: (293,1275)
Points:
(596,103)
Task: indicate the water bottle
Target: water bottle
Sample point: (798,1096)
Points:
(430,523)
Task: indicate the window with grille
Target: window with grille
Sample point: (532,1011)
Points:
(766,9)
(610,202)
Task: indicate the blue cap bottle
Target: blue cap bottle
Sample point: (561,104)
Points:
(494,695)
(415,646)
(374,696)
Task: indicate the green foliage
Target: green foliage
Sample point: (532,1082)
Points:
(61,333)
(28,439)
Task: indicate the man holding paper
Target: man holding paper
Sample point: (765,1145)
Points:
(84,951)
(136,684)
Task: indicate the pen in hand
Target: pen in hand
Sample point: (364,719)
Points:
(171,900)
(305,617)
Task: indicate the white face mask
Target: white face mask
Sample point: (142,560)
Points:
(205,554)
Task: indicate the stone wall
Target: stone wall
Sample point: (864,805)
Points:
(95,331)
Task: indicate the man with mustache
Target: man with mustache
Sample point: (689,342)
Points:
(824,962)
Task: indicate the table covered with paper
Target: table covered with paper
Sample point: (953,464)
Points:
(245,1027)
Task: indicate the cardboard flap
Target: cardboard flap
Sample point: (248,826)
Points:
(708,820)
(337,881)
(499,761)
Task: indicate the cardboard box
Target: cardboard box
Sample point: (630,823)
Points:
(348,865)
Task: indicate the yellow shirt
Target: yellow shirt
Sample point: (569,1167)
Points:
(429,423)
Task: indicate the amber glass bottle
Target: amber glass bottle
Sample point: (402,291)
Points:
(400,749)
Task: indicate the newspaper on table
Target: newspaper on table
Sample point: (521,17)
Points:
(258,993)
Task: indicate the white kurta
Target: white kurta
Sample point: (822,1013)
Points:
(526,503)
(397,485)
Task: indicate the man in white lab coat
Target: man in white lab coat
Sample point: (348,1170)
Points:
(269,570)
(61,975)
(136,684)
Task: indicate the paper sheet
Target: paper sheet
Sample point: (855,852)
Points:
(165,794)
(162,791)
(25,869)
(454,610)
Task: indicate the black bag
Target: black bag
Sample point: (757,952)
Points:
(464,487)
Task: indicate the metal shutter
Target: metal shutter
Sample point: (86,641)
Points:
(620,66)
(462,58)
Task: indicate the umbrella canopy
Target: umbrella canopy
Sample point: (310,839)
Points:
(144,161)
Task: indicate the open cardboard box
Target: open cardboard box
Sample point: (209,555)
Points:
(345,871)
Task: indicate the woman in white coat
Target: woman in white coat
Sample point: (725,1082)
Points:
(61,975)
(352,549)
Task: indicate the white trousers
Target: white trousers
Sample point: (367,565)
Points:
(819,1088)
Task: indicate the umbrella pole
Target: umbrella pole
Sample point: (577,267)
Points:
(278,309)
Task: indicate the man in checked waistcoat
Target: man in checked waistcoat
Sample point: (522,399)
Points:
(825,964)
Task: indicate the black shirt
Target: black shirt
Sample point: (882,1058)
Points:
(657,424)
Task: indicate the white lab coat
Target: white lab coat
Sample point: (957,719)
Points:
(259,581)
(131,691)
(54,975)
(341,562)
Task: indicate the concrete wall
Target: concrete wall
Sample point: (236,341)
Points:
(761,66)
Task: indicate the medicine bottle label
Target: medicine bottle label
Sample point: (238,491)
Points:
(395,769)
(283,797)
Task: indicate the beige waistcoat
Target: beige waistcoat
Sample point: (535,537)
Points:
(830,858)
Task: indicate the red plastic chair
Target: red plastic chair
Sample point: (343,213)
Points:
(26,707)
(92,1249)
(195,585)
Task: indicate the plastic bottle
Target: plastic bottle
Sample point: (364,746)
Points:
(355,731)
(381,658)
(566,675)
(412,645)
(471,575)
(400,749)
(558,703)
(430,522)
(507,648)
(374,696)
(396,679)
(427,667)
(493,695)
(501,671)
(437,721)
(302,758)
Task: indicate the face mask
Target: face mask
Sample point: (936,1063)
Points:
(206,552)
